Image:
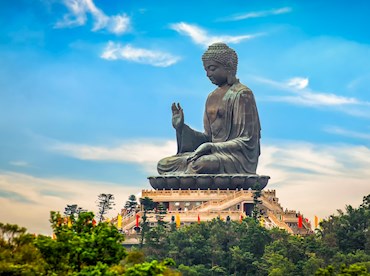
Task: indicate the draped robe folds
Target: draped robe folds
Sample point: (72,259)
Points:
(235,134)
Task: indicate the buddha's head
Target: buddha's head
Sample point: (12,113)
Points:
(220,63)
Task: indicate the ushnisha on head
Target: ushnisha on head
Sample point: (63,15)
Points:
(224,55)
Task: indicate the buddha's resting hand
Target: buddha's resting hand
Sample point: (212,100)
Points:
(203,149)
(177,116)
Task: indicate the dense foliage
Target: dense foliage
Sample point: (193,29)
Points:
(81,247)
(79,244)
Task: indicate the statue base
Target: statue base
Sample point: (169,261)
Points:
(209,181)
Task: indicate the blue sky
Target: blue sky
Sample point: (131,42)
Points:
(86,88)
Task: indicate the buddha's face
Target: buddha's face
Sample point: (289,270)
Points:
(216,72)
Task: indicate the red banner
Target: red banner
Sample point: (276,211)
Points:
(137,220)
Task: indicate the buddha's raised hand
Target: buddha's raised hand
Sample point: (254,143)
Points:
(177,116)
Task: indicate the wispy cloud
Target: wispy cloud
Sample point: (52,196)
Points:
(19,163)
(201,37)
(114,51)
(303,95)
(257,14)
(348,133)
(143,153)
(14,196)
(77,16)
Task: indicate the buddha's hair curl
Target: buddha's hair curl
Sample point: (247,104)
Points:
(223,54)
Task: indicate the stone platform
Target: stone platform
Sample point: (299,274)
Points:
(209,181)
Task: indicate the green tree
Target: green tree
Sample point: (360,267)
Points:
(18,255)
(131,204)
(73,209)
(147,206)
(153,268)
(278,265)
(348,231)
(105,203)
(80,245)
(256,200)
(219,247)
(156,242)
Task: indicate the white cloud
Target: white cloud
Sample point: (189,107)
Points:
(118,24)
(303,95)
(114,51)
(27,200)
(77,16)
(299,83)
(258,14)
(201,37)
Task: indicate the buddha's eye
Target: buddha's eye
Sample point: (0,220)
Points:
(212,68)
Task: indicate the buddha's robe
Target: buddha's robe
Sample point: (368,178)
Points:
(235,133)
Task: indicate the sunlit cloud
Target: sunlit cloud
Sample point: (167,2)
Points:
(28,200)
(316,179)
(77,16)
(201,37)
(257,14)
(301,94)
(304,174)
(115,51)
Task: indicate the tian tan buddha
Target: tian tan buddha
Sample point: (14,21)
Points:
(230,143)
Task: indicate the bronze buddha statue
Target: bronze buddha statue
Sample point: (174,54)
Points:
(230,143)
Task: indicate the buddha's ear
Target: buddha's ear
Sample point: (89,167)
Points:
(231,79)
(229,64)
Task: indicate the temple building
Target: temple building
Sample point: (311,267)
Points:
(193,206)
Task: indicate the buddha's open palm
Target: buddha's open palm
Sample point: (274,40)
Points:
(203,149)
(177,116)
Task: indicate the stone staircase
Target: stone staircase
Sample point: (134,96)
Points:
(278,222)
(224,203)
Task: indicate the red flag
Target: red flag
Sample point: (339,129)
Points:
(300,221)
(94,222)
(198,219)
(137,220)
